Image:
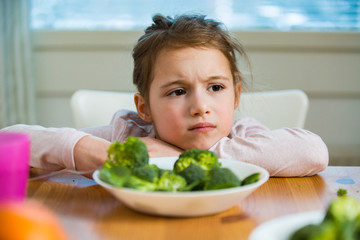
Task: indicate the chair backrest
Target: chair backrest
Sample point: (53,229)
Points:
(274,109)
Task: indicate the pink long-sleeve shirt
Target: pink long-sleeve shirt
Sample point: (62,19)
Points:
(283,152)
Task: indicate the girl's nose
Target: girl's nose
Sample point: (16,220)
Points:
(199,105)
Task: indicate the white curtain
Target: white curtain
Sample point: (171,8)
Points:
(17,87)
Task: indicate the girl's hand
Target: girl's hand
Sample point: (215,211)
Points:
(159,148)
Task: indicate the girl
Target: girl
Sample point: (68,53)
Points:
(185,70)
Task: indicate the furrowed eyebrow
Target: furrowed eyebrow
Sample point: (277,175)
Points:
(218,77)
(184,82)
(169,84)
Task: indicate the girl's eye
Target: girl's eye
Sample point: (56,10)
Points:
(177,92)
(216,88)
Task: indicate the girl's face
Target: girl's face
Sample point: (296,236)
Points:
(191,98)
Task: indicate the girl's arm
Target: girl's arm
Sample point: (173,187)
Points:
(51,148)
(90,153)
(283,152)
(126,123)
(85,149)
(58,148)
(159,148)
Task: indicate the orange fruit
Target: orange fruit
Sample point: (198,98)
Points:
(29,220)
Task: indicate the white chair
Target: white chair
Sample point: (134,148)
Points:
(274,109)
(94,108)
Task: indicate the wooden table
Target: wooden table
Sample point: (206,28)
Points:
(87,211)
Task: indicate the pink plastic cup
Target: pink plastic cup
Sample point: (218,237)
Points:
(14,166)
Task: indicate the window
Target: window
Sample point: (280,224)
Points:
(283,15)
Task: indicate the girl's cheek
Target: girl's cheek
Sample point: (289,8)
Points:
(168,118)
(173,119)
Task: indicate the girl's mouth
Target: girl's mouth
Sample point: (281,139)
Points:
(202,127)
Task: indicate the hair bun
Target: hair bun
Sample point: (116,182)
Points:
(160,23)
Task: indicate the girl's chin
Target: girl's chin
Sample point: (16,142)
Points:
(185,145)
(203,146)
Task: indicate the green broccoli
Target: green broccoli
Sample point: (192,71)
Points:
(190,153)
(128,166)
(131,153)
(251,179)
(220,178)
(207,159)
(140,184)
(117,175)
(315,232)
(357,230)
(204,158)
(342,209)
(341,221)
(149,172)
(345,213)
(195,176)
(183,163)
(170,182)
(341,192)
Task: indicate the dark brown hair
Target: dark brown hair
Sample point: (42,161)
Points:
(179,32)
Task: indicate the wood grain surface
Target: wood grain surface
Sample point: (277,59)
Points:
(88,211)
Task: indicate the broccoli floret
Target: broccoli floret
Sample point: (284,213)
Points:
(170,182)
(183,162)
(345,213)
(131,153)
(341,221)
(207,159)
(195,176)
(357,230)
(149,172)
(343,209)
(315,232)
(140,184)
(204,158)
(341,192)
(250,179)
(116,175)
(190,153)
(220,178)
(128,166)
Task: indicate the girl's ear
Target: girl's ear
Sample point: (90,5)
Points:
(142,108)
(237,94)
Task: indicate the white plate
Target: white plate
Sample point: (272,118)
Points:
(281,228)
(188,204)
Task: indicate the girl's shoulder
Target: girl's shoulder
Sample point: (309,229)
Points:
(246,126)
(247,121)
(127,116)
(129,123)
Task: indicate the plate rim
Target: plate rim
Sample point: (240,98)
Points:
(313,215)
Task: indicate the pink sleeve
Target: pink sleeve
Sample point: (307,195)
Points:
(284,152)
(124,123)
(51,148)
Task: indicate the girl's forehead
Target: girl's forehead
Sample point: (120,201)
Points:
(185,50)
(191,63)
(189,54)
